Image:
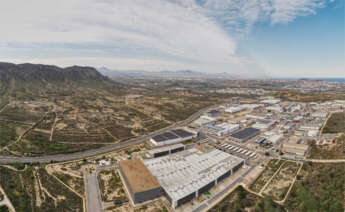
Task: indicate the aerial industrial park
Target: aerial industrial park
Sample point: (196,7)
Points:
(147,157)
(172,106)
(235,137)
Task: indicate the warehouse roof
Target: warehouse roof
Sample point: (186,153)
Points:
(247,132)
(185,172)
(164,137)
(182,133)
(138,175)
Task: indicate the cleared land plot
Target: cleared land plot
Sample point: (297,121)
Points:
(319,187)
(111,185)
(335,124)
(281,182)
(241,200)
(331,151)
(272,166)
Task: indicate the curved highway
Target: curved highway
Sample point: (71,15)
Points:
(102,150)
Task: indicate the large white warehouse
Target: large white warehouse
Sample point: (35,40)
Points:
(187,174)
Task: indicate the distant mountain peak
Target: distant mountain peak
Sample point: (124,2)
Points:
(28,72)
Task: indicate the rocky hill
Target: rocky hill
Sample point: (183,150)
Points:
(46,73)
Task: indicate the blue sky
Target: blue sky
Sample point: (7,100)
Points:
(254,38)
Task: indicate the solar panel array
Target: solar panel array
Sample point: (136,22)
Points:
(245,133)
(173,134)
(182,133)
(164,137)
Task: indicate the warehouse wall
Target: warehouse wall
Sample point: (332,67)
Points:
(151,194)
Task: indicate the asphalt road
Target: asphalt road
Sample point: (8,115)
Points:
(93,203)
(102,150)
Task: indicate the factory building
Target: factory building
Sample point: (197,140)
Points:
(227,128)
(245,134)
(223,129)
(295,148)
(139,182)
(234,109)
(204,120)
(172,137)
(188,174)
(270,101)
(263,124)
(163,151)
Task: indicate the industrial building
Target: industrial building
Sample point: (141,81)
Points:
(188,174)
(295,148)
(204,120)
(245,134)
(174,136)
(223,129)
(275,139)
(234,109)
(263,124)
(163,151)
(139,182)
(270,101)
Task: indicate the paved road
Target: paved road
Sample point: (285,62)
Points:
(102,150)
(93,195)
(215,198)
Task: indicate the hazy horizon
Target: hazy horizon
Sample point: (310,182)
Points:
(260,38)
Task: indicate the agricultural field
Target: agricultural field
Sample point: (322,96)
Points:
(241,200)
(33,189)
(272,166)
(111,185)
(335,123)
(282,181)
(319,187)
(334,150)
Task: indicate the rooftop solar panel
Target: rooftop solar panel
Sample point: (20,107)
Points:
(243,134)
(182,133)
(169,135)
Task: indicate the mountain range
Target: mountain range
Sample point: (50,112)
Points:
(46,73)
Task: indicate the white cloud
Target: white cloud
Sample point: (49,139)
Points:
(194,33)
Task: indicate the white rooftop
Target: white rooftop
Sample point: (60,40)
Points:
(185,172)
